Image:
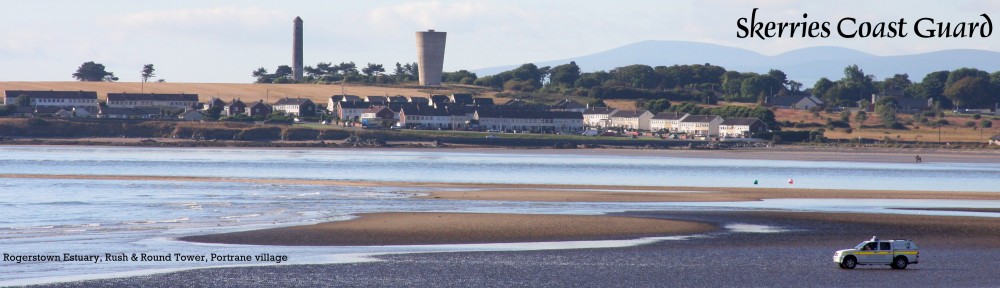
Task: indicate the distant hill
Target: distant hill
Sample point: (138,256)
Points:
(805,65)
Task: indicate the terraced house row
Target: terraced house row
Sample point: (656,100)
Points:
(673,122)
(143,105)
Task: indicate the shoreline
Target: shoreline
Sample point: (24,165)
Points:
(429,228)
(781,152)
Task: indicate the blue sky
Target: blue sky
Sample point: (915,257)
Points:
(223,41)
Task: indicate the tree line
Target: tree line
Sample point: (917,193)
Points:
(371,73)
(91,71)
(959,88)
(964,87)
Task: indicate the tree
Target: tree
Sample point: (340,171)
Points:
(794,86)
(886,109)
(657,106)
(262,76)
(93,72)
(460,76)
(845,116)
(970,92)
(597,103)
(636,76)
(147,72)
(564,75)
(896,82)
(372,69)
(861,116)
(822,85)
(22,100)
(283,71)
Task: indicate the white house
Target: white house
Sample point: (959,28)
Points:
(133,100)
(700,125)
(296,106)
(53,98)
(666,121)
(631,119)
(351,111)
(598,116)
(741,127)
(432,118)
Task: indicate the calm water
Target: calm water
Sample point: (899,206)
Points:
(46,216)
(497,167)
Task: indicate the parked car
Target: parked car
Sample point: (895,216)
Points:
(896,253)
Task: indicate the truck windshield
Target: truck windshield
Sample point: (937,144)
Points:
(862,245)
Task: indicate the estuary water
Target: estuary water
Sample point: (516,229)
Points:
(125,217)
(510,167)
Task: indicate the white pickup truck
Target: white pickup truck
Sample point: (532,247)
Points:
(895,253)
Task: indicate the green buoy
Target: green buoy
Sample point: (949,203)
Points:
(754,181)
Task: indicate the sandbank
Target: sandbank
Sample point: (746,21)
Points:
(457,228)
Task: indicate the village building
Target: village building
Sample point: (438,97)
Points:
(377,100)
(133,100)
(377,116)
(350,98)
(700,125)
(351,111)
(234,107)
(598,116)
(483,102)
(569,106)
(192,115)
(515,103)
(215,102)
(804,102)
(53,98)
(398,99)
(440,99)
(995,140)
(296,106)
(913,105)
(258,108)
(529,121)
(631,119)
(129,112)
(433,118)
(666,121)
(420,100)
(461,99)
(741,127)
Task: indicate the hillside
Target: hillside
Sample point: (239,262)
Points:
(227,91)
(805,65)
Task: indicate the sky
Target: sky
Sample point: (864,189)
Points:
(224,41)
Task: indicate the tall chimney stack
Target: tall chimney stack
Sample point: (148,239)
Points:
(297,50)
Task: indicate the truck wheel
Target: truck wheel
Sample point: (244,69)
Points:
(849,263)
(899,263)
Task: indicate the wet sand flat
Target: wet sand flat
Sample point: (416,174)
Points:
(955,252)
(457,228)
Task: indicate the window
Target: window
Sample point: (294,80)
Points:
(884,246)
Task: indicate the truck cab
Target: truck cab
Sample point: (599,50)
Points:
(896,253)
